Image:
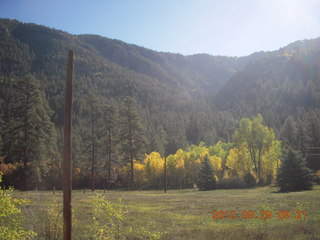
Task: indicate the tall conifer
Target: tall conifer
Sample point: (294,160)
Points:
(133,134)
(206,179)
(293,174)
(31,133)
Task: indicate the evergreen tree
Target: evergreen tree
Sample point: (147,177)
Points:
(302,135)
(289,133)
(293,174)
(30,132)
(7,93)
(93,138)
(6,96)
(193,131)
(132,135)
(206,180)
(158,138)
(111,137)
(313,149)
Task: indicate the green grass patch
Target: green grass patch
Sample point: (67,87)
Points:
(186,214)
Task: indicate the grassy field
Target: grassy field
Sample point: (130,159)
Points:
(187,214)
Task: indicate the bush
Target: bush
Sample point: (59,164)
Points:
(317,177)
(53,225)
(231,183)
(109,222)
(249,180)
(108,218)
(11,218)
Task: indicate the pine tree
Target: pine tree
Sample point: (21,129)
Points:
(313,149)
(133,134)
(289,133)
(93,136)
(7,93)
(206,180)
(111,137)
(293,174)
(302,135)
(193,131)
(30,132)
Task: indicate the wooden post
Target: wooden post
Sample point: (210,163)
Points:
(165,175)
(67,177)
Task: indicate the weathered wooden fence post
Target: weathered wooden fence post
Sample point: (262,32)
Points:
(67,177)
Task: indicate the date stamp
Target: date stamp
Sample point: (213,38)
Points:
(250,214)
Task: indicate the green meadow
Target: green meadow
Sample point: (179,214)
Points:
(187,214)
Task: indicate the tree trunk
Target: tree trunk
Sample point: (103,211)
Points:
(93,150)
(259,165)
(26,139)
(253,157)
(109,159)
(165,175)
(131,155)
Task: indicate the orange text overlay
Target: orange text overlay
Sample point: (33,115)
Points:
(249,214)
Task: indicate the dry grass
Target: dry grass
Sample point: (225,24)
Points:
(186,214)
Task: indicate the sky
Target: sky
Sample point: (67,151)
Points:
(217,27)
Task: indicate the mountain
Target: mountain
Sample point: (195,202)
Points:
(170,88)
(169,101)
(281,82)
(173,91)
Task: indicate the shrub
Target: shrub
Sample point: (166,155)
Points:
(108,218)
(317,177)
(249,180)
(231,183)
(11,218)
(109,222)
(53,225)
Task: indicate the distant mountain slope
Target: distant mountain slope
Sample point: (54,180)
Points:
(44,48)
(281,82)
(169,87)
(202,71)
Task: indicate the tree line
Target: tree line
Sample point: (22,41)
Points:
(31,145)
(111,141)
(110,147)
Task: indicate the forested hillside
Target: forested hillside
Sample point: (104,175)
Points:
(169,101)
(280,83)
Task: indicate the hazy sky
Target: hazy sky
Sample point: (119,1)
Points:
(218,27)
